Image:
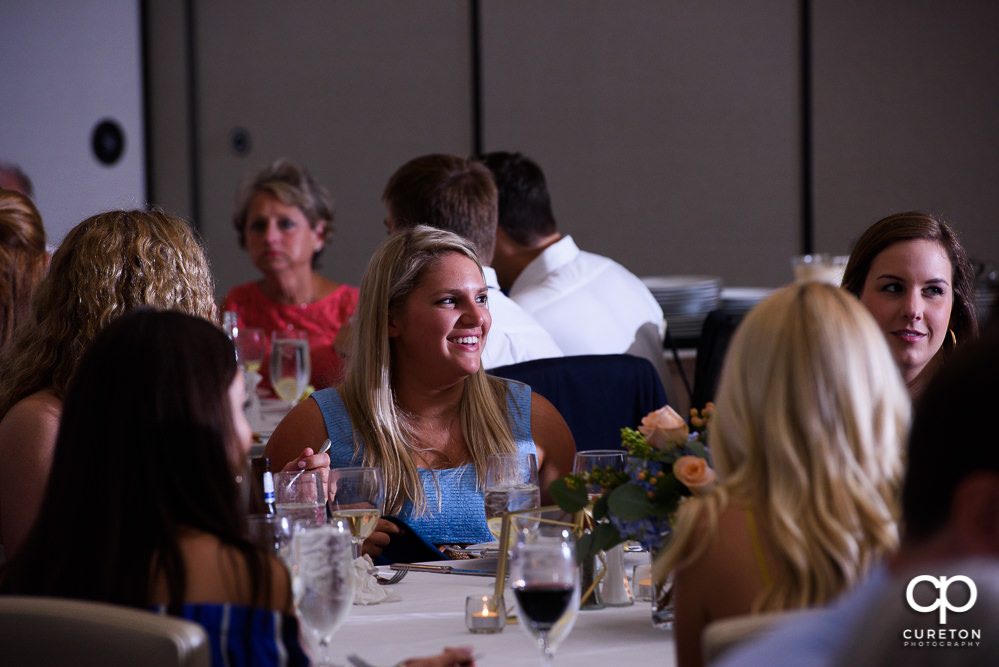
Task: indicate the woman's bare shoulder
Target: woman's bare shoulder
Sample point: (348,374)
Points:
(218,573)
(33,420)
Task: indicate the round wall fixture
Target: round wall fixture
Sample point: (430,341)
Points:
(239,141)
(108,141)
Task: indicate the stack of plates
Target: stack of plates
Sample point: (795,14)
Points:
(685,300)
(740,300)
(986,296)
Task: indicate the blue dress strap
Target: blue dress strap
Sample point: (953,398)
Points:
(455,511)
(243,636)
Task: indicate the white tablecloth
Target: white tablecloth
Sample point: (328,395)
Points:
(431,616)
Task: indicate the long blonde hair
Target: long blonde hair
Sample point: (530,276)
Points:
(394,271)
(107,265)
(810,419)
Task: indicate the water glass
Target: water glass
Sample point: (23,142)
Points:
(301,496)
(322,584)
(511,485)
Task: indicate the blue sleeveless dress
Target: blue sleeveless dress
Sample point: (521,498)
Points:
(243,636)
(462,515)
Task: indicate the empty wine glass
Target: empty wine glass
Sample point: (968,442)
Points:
(322,584)
(290,365)
(511,485)
(300,496)
(355,497)
(545,583)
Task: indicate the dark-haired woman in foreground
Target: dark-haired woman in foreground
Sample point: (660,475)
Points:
(144,506)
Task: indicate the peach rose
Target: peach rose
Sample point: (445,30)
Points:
(694,473)
(664,428)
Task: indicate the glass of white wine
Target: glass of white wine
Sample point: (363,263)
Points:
(355,498)
(290,365)
(252,345)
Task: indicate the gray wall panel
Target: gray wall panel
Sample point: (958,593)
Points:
(668,131)
(906,109)
(350,91)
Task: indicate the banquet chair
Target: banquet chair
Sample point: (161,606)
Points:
(716,333)
(58,631)
(723,635)
(597,394)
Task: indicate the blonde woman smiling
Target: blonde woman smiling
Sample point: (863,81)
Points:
(416,402)
(806,436)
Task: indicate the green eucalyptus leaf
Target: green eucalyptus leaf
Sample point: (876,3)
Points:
(585,547)
(697,447)
(568,494)
(605,536)
(630,502)
(600,507)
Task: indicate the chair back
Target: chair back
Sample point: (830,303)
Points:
(57,631)
(723,635)
(716,334)
(597,394)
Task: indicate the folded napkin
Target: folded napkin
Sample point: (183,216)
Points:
(367,590)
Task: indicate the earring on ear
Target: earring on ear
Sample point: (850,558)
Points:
(953,338)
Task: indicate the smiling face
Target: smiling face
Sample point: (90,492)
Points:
(909,292)
(278,236)
(440,330)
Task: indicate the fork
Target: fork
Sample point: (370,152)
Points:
(394,579)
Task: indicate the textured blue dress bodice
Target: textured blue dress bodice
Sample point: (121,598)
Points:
(462,515)
(246,636)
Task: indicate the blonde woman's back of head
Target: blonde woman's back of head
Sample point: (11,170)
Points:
(810,418)
(107,265)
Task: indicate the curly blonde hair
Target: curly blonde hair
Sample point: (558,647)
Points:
(810,419)
(23,259)
(107,265)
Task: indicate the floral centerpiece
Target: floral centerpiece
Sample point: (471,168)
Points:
(667,460)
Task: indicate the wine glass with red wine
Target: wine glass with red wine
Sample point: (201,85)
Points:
(545,582)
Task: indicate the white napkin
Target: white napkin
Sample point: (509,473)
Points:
(367,590)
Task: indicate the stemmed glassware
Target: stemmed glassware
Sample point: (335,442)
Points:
(290,365)
(322,584)
(355,497)
(585,462)
(511,484)
(252,346)
(300,496)
(545,584)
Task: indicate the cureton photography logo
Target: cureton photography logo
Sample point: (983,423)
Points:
(927,594)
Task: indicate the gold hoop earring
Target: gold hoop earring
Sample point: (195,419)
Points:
(953,338)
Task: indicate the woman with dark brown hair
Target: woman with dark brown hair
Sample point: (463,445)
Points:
(912,273)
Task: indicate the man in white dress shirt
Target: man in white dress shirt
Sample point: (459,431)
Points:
(589,303)
(458,195)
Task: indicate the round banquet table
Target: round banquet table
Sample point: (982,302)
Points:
(431,615)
